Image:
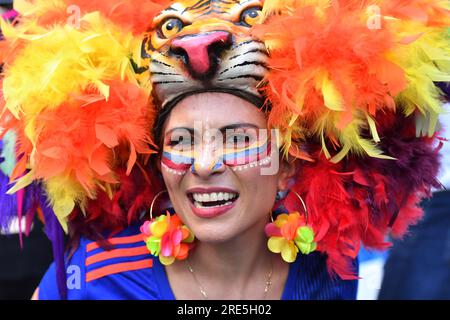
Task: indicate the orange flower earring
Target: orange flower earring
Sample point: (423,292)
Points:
(166,236)
(290,233)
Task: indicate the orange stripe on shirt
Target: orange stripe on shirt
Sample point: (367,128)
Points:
(120,240)
(116,253)
(118,268)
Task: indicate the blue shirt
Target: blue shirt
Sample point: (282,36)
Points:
(129,272)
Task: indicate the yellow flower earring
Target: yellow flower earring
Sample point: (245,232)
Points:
(290,233)
(166,236)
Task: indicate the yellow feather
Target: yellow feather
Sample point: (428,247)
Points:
(351,141)
(373,129)
(21,183)
(425,61)
(332,98)
(63,195)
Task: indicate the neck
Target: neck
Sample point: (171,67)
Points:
(238,258)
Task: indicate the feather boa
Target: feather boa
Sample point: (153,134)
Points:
(76,101)
(361,200)
(333,70)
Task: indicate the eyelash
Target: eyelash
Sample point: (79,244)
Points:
(233,138)
(182,140)
(241,136)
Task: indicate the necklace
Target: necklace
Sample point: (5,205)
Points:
(205,294)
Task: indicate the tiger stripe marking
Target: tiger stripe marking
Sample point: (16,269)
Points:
(242,66)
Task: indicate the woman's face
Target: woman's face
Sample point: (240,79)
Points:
(215,150)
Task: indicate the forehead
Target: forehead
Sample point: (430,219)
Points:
(190,9)
(215,110)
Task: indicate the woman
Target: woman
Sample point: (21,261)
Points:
(231,243)
(351,169)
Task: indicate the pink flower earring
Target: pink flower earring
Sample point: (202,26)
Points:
(166,236)
(290,233)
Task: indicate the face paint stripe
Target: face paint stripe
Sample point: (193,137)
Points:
(177,159)
(247,156)
(251,151)
(239,162)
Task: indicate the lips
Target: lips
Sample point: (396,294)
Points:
(212,202)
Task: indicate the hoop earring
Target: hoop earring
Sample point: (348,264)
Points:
(166,236)
(285,194)
(291,233)
(305,209)
(154,201)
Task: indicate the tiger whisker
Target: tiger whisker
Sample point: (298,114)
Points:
(246,63)
(162,63)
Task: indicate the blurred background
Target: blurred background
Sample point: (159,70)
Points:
(417,267)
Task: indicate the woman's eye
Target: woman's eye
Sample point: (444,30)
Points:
(181,142)
(252,16)
(171,27)
(239,140)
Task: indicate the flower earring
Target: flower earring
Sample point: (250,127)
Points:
(290,233)
(166,236)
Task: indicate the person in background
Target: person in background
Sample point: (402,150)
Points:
(419,267)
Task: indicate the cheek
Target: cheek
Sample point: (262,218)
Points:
(172,181)
(260,190)
(176,163)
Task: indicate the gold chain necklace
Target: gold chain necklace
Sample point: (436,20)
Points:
(205,294)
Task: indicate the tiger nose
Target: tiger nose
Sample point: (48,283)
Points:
(201,52)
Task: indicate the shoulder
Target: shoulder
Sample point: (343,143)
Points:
(123,270)
(309,279)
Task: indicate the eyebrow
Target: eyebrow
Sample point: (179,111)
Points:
(190,130)
(222,129)
(239,126)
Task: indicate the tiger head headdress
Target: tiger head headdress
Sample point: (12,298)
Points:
(198,46)
(350,84)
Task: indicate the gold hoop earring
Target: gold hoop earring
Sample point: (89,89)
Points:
(154,201)
(304,205)
(305,209)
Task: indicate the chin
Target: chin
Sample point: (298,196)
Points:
(215,233)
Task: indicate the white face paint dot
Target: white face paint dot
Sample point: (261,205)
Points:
(253,164)
(173,171)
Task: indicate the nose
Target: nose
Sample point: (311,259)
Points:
(208,161)
(200,52)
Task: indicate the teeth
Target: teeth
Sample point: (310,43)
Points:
(200,205)
(213,197)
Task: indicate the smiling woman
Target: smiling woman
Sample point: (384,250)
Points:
(218,204)
(279,136)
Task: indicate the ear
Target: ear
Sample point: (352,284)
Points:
(158,162)
(288,170)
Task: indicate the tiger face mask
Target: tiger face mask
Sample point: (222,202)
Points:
(201,46)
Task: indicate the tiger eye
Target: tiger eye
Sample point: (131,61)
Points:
(171,27)
(252,16)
